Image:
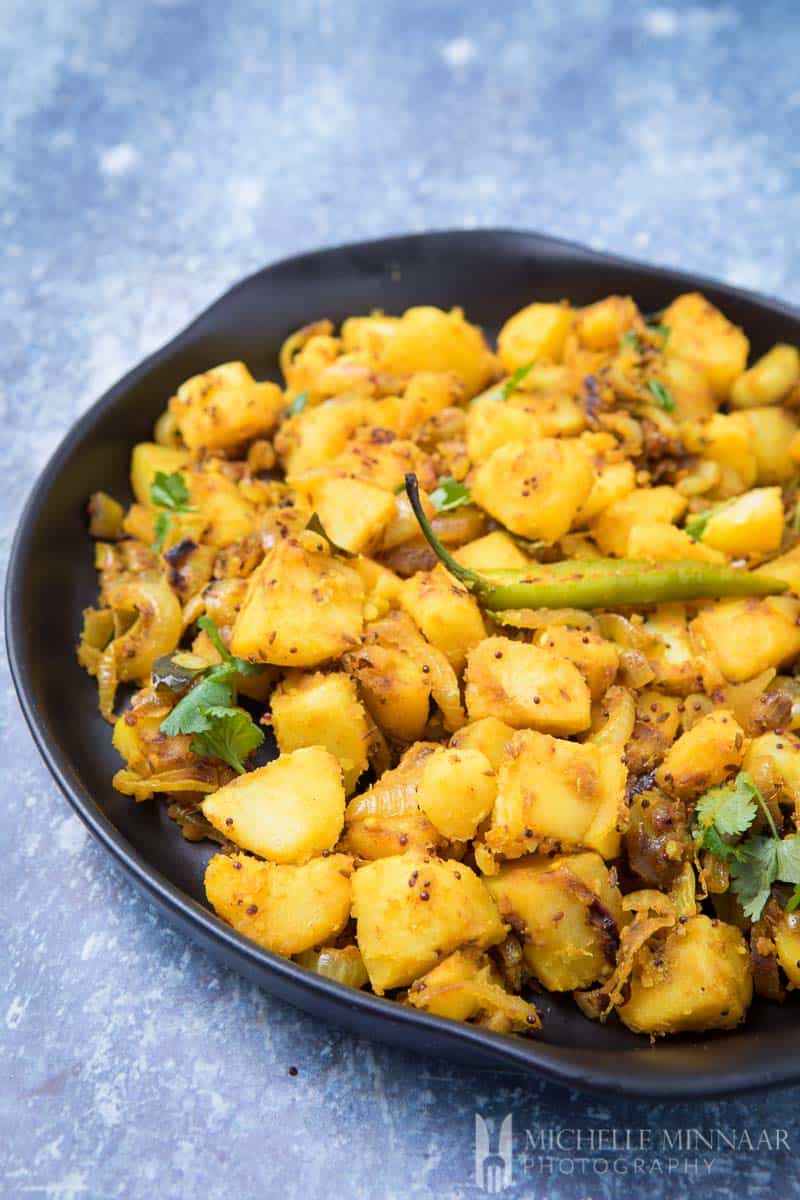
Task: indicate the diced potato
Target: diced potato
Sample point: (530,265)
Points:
(751,524)
(286,909)
(314,437)
(225,407)
(445,612)
(381,587)
(770,432)
(526,686)
(353,513)
(596,659)
(568,912)
(644,506)
(671,653)
(786,935)
(658,721)
(785,567)
(769,379)
(386,819)
(612,482)
(600,326)
(322,710)
(534,333)
(492,422)
(227,514)
(466,985)
(726,440)
(665,543)
(558,414)
(288,811)
(303,607)
(536,488)
(147,459)
(493,551)
(376,456)
(395,689)
(703,757)
(457,791)
(428,339)
(489,735)
(771,634)
(700,333)
(411,911)
(687,384)
(368,333)
(773,761)
(697,979)
(551,790)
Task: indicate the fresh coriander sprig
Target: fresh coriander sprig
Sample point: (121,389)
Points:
(661,394)
(209,709)
(502,391)
(171,495)
(725,812)
(449,494)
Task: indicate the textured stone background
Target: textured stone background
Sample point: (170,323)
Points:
(152,153)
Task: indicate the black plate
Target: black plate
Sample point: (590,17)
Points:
(51,579)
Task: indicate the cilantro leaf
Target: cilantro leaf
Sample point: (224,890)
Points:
(661,394)
(696,525)
(631,338)
(730,810)
(216,690)
(663,330)
(753,876)
(512,383)
(298,404)
(170,492)
(794,900)
(449,494)
(241,665)
(229,734)
(160,532)
(789,859)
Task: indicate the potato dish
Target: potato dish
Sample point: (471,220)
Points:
(477,661)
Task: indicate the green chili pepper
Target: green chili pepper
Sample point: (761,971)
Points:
(595,582)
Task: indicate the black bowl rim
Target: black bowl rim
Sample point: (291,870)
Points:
(635,1073)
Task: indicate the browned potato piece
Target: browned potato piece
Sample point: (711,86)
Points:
(288,811)
(491,551)
(658,720)
(698,978)
(596,659)
(551,790)
(411,911)
(303,607)
(286,909)
(428,339)
(773,760)
(456,791)
(395,690)
(700,333)
(353,513)
(322,710)
(445,612)
(386,818)
(526,686)
(535,488)
(773,634)
(567,911)
(489,735)
(704,756)
(769,432)
(535,332)
(466,985)
(225,407)
(645,506)
(769,380)
(317,435)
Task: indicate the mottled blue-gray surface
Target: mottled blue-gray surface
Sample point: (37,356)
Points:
(152,153)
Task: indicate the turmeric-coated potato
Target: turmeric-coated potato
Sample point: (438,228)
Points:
(386,818)
(466,985)
(225,407)
(553,791)
(445,612)
(489,735)
(697,978)
(612,528)
(457,790)
(286,909)
(288,811)
(535,488)
(534,333)
(567,911)
(353,513)
(596,659)
(527,687)
(751,524)
(494,551)
(147,459)
(703,757)
(768,380)
(772,637)
(770,431)
(322,710)
(428,339)
(700,333)
(412,910)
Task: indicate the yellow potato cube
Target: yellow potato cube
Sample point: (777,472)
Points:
(411,911)
(551,790)
(322,710)
(568,912)
(769,379)
(303,607)
(658,542)
(354,514)
(745,637)
(727,440)
(395,689)
(466,985)
(644,506)
(286,909)
(773,760)
(315,437)
(596,659)
(526,686)
(386,819)
(491,552)
(697,979)
(769,432)
(534,333)
(227,514)
(489,735)
(536,488)
(750,524)
(225,407)
(492,423)
(147,459)
(703,757)
(700,333)
(457,791)
(612,481)
(445,612)
(428,339)
(288,811)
